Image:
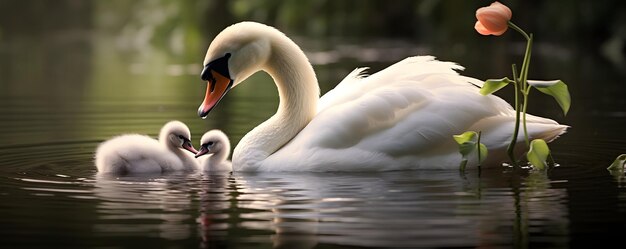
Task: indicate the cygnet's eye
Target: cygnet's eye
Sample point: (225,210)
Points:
(209,144)
(181,137)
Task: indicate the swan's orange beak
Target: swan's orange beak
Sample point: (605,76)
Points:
(216,89)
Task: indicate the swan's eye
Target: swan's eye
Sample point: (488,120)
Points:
(209,144)
(181,137)
(219,65)
(206,74)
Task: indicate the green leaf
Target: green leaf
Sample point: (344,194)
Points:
(483,152)
(467,142)
(555,88)
(468,136)
(493,85)
(619,162)
(538,153)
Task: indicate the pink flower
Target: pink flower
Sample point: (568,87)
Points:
(493,19)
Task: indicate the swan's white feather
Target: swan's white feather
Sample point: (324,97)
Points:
(402,117)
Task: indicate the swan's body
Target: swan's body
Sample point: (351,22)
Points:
(216,145)
(402,117)
(135,153)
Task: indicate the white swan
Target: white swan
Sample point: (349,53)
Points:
(217,145)
(135,153)
(402,117)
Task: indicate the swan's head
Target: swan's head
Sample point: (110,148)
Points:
(213,142)
(176,134)
(236,53)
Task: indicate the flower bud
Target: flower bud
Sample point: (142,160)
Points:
(493,19)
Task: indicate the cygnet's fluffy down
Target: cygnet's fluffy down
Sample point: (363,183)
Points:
(135,153)
(216,145)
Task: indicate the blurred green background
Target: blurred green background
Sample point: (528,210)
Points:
(182,30)
(76,72)
(139,57)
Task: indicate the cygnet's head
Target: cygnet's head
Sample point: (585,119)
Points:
(176,134)
(214,142)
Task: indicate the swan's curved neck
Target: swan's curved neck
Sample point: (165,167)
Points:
(298,91)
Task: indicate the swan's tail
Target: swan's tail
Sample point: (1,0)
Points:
(498,130)
(543,128)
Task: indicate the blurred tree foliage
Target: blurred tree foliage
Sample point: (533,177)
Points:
(188,24)
(52,42)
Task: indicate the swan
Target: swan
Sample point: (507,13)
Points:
(135,153)
(402,117)
(217,145)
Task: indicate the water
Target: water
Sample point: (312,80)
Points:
(52,196)
(61,202)
(63,92)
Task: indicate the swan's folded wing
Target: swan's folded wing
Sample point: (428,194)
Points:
(404,117)
(398,116)
(338,94)
(411,68)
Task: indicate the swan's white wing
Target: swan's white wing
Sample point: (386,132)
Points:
(338,94)
(410,68)
(402,117)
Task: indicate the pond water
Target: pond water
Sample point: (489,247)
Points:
(61,97)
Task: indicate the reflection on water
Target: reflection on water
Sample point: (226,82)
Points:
(51,191)
(396,209)
(155,200)
(84,74)
(391,209)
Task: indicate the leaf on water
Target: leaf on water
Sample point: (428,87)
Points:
(555,88)
(619,163)
(493,85)
(483,152)
(538,153)
(467,142)
(468,136)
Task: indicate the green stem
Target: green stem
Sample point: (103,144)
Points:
(511,148)
(551,160)
(479,157)
(518,29)
(478,149)
(525,88)
(524,107)
(463,165)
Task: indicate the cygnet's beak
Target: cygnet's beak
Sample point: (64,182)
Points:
(217,87)
(203,150)
(187,145)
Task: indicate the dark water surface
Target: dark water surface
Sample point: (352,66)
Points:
(63,93)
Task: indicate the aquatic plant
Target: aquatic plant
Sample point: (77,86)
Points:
(495,19)
(469,142)
(619,163)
